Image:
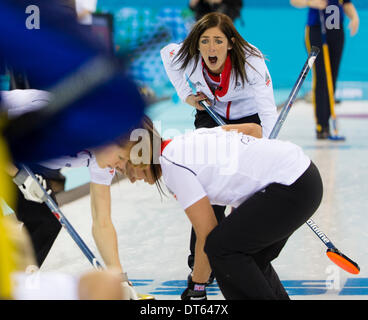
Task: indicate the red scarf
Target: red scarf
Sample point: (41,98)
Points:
(224,77)
(164,144)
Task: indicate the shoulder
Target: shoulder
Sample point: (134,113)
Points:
(100,175)
(17,102)
(170,51)
(255,64)
(256,57)
(19,96)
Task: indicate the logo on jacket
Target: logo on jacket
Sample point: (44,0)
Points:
(172,52)
(172,193)
(268,80)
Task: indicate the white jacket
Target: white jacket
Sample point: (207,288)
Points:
(227,166)
(254,97)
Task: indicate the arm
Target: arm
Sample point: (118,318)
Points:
(103,229)
(193,3)
(250,129)
(315,4)
(174,73)
(86,8)
(203,219)
(261,86)
(212,2)
(352,14)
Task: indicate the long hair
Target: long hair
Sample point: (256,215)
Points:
(154,145)
(241,49)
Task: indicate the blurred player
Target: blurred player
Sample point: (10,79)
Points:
(41,224)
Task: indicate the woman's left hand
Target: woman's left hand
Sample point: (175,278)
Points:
(354,26)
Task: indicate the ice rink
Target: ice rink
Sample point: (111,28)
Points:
(153,233)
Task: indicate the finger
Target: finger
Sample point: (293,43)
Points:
(199,107)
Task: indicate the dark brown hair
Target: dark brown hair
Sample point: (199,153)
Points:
(155,142)
(241,49)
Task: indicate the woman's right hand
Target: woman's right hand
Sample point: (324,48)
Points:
(317,4)
(193,100)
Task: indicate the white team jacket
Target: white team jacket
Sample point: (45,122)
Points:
(228,167)
(255,96)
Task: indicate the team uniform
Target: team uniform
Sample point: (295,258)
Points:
(335,39)
(273,186)
(41,225)
(251,102)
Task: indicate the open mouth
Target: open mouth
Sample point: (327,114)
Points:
(212,60)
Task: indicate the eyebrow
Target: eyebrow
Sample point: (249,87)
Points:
(210,37)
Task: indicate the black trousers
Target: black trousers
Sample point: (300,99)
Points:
(240,249)
(43,227)
(204,120)
(335,40)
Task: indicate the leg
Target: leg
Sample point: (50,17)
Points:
(241,248)
(335,39)
(263,259)
(234,247)
(320,92)
(41,225)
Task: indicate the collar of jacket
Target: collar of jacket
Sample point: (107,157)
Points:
(224,77)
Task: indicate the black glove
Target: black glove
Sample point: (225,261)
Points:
(195,291)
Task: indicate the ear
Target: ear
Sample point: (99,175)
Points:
(231,43)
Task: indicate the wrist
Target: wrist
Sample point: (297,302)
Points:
(20,176)
(192,283)
(12,170)
(194,291)
(190,100)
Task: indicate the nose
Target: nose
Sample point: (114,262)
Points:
(121,165)
(211,47)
